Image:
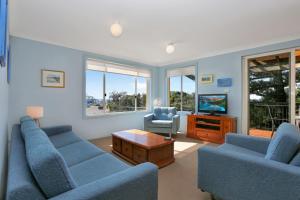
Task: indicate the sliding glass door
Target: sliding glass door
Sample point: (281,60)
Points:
(271,91)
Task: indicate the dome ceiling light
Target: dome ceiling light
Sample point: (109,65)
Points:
(170,48)
(116,29)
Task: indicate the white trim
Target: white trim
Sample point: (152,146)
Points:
(245,85)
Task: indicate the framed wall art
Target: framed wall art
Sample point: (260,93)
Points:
(53,78)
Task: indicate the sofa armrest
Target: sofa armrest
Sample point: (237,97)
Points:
(57,129)
(148,117)
(249,142)
(135,183)
(234,175)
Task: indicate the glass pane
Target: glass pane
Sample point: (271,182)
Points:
(94,93)
(120,90)
(268,93)
(188,93)
(141,100)
(297,71)
(175,92)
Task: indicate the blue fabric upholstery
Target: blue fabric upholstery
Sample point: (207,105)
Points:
(88,171)
(47,165)
(285,143)
(20,182)
(65,138)
(38,169)
(296,159)
(134,183)
(163,120)
(257,144)
(25,118)
(239,170)
(79,151)
(28,126)
(51,131)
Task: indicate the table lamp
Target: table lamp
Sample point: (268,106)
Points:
(35,112)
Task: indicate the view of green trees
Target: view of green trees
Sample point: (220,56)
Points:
(121,101)
(188,100)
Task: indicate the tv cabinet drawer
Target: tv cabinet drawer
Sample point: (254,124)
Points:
(201,134)
(127,149)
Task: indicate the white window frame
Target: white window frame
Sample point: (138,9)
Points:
(190,70)
(139,73)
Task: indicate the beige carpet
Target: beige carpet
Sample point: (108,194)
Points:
(177,181)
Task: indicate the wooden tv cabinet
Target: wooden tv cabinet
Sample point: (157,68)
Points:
(210,128)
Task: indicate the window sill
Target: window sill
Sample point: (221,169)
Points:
(116,114)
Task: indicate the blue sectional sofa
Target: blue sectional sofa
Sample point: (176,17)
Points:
(250,168)
(54,163)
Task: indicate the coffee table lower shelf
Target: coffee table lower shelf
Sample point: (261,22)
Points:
(136,154)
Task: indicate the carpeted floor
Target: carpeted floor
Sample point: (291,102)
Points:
(177,181)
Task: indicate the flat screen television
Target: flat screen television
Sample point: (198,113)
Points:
(212,103)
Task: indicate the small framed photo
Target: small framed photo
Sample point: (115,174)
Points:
(206,79)
(53,79)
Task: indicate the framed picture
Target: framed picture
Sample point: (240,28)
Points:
(53,79)
(206,79)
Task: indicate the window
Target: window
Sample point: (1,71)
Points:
(115,88)
(182,88)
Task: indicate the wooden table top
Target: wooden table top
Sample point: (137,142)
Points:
(143,138)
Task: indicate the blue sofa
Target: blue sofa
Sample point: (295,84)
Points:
(54,163)
(162,120)
(248,168)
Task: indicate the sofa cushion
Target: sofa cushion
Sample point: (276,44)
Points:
(234,148)
(164,113)
(284,144)
(79,151)
(47,165)
(296,159)
(96,168)
(161,123)
(62,139)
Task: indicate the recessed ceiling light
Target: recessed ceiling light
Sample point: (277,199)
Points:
(116,29)
(170,48)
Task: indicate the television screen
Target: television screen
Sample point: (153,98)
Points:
(212,103)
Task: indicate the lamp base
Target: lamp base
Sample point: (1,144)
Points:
(37,121)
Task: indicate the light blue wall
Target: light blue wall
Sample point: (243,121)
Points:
(3,128)
(61,106)
(226,65)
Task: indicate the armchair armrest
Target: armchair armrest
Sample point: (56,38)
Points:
(57,129)
(148,117)
(136,183)
(234,175)
(249,142)
(176,120)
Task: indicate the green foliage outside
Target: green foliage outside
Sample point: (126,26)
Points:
(188,101)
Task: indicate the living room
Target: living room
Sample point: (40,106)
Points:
(197,89)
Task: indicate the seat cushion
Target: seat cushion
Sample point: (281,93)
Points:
(62,139)
(161,123)
(234,148)
(79,151)
(296,159)
(47,165)
(284,144)
(96,168)
(164,113)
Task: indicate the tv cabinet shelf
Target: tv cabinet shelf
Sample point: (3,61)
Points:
(210,128)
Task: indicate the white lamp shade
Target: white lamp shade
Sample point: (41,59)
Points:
(116,29)
(36,112)
(170,48)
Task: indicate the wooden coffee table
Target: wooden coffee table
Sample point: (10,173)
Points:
(136,146)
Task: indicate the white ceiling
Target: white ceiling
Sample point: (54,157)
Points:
(199,28)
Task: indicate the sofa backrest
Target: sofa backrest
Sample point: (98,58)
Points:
(284,144)
(164,113)
(20,182)
(46,163)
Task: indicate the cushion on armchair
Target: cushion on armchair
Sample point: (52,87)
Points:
(161,123)
(164,113)
(285,143)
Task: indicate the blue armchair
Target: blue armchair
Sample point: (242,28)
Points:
(162,120)
(250,168)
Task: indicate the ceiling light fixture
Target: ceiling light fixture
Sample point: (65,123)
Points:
(116,29)
(170,48)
